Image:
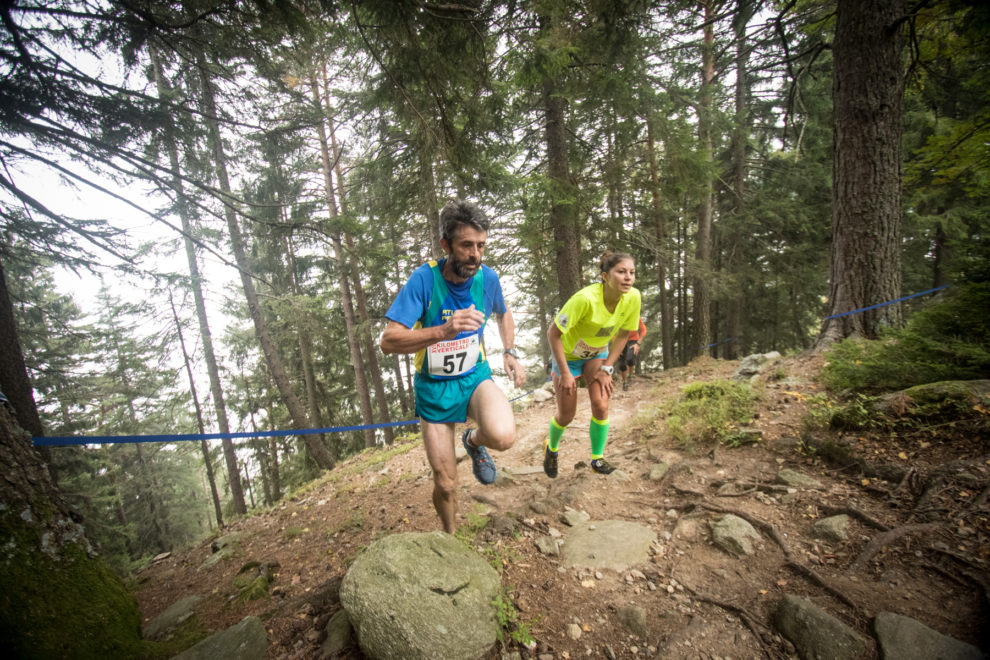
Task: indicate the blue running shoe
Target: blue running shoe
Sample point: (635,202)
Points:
(481,463)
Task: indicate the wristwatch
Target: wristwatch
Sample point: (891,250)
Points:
(607,369)
(510,351)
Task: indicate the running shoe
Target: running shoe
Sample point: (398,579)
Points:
(481,463)
(601,466)
(549,460)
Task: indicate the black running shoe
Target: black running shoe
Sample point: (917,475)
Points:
(601,466)
(549,460)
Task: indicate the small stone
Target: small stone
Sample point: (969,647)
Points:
(574,631)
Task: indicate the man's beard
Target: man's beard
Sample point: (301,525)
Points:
(464,269)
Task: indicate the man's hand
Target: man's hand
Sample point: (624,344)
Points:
(463,320)
(513,369)
(635,349)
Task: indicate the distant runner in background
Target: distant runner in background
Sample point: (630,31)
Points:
(440,316)
(586,339)
(627,361)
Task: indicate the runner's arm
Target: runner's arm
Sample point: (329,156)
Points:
(397,338)
(554,336)
(616,347)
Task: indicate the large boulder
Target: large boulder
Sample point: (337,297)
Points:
(903,638)
(815,633)
(424,595)
(246,640)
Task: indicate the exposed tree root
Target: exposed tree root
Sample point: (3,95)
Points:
(755,522)
(887,538)
(764,635)
(807,573)
(855,513)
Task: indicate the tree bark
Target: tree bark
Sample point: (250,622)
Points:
(703,239)
(666,318)
(562,201)
(868,91)
(14,381)
(300,420)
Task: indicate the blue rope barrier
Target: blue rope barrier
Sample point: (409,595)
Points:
(61,441)
(889,302)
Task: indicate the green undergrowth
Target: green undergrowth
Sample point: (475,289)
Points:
(948,340)
(511,627)
(711,411)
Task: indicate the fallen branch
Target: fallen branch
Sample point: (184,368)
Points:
(888,537)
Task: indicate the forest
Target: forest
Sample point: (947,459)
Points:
(768,163)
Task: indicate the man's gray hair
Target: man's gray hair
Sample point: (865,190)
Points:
(459,212)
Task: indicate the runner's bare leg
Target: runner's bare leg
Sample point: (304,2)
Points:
(492,412)
(438,439)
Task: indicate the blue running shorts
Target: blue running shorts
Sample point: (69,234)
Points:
(446,401)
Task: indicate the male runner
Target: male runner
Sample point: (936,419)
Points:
(440,316)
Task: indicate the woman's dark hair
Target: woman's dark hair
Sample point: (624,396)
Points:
(611,259)
(459,212)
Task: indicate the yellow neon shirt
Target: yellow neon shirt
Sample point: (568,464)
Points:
(587,326)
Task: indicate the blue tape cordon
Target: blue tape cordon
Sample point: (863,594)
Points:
(889,302)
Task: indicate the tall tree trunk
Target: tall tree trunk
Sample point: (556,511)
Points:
(300,420)
(563,218)
(370,351)
(740,135)
(666,318)
(868,91)
(207,462)
(431,202)
(196,285)
(940,250)
(14,381)
(703,239)
(346,303)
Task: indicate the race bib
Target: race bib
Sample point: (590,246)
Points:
(453,358)
(582,351)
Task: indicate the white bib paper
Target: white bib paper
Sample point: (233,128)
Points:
(454,357)
(582,351)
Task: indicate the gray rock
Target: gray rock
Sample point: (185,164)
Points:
(340,635)
(658,471)
(546,545)
(173,616)
(734,535)
(574,631)
(790,477)
(539,396)
(245,641)
(816,634)
(753,365)
(633,618)
(902,638)
(833,528)
(421,595)
(574,517)
(614,544)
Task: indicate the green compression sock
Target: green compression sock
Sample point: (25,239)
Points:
(599,435)
(556,433)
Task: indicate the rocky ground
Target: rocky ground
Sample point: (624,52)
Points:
(917,542)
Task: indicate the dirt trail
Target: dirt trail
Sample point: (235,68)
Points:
(699,601)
